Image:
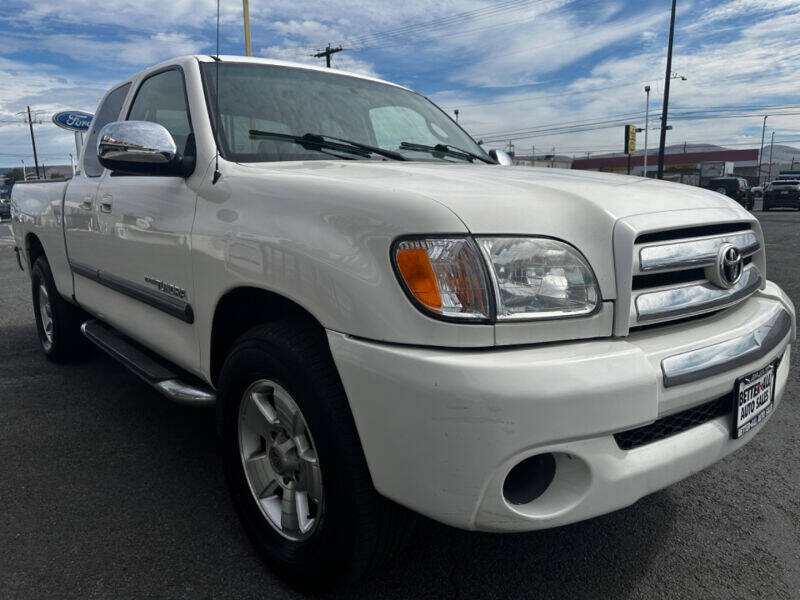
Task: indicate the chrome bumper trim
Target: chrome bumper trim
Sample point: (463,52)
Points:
(693,299)
(718,358)
(693,253)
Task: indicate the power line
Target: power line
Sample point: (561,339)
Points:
(621,118)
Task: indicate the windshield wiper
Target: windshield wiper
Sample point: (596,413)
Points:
(314,141)
(448,150)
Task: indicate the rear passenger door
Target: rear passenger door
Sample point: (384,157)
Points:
(146,221)
(81,211)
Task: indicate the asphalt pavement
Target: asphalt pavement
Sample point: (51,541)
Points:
(107,490)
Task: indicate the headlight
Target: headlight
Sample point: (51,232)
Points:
(445,276)
(530,278)
(539,278)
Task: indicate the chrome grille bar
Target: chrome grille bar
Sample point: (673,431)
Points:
(692,299)
(692,253)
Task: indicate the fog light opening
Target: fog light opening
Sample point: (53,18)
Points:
(529,479)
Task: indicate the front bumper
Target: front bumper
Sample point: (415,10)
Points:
(441,428)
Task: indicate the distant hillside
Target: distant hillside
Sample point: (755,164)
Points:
(780,154)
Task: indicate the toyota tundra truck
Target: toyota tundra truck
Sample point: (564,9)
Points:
(391,320)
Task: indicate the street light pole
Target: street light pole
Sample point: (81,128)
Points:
(771,147)
(665,108)
(646,125)
(33,142)
(761,152)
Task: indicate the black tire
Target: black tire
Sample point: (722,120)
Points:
(65,341)
(357,530)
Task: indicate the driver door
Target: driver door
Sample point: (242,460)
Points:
(145,221)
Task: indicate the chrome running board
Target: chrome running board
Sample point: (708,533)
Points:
(153,369)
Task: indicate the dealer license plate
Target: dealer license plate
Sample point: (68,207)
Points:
(753,400)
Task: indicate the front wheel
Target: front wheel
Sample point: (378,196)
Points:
(294,463)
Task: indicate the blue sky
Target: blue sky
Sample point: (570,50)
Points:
(507,65)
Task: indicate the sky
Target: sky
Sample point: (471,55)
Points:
(511,67)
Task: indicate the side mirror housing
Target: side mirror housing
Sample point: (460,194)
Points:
(141,148)
(502,157)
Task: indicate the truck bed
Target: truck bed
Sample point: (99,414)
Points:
(37,216)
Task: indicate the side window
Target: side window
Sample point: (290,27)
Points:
(109,111)
(162,99)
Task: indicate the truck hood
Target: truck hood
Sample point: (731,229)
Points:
(579,207)
(493,199)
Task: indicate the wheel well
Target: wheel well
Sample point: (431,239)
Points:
(33,248)
(240,310)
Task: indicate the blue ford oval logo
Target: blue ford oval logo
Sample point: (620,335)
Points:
(74,120)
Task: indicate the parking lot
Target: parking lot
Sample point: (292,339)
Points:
(109,490)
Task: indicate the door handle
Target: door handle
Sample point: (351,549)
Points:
(105,203)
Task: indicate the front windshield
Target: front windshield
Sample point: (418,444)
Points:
(297,102)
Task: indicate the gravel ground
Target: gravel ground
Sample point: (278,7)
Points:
(109,491)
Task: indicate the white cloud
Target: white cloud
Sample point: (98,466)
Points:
(534,61)
(47,91)
(132,50)
(137,15)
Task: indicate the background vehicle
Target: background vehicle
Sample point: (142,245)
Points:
(733,187)
(388,321)
(783,193)
(5,209)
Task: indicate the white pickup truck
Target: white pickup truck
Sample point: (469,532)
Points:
(388,319)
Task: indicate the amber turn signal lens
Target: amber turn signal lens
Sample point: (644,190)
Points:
(444,275)
(415,267)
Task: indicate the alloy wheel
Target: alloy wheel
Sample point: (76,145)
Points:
(280,460)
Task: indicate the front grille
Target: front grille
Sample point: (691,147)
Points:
(674,272)
(674,424)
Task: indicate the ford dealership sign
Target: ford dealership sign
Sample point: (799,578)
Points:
(74,120)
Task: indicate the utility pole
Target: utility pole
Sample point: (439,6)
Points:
(646,125)
(771,146)
(327,54)
(665,107)
(33,143)
(248,49)
(761,152)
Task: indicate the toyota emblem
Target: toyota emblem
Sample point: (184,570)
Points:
(729,266)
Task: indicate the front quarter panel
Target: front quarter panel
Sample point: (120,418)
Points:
(322,244)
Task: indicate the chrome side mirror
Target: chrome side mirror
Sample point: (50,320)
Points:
(140,147)
(502,157)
